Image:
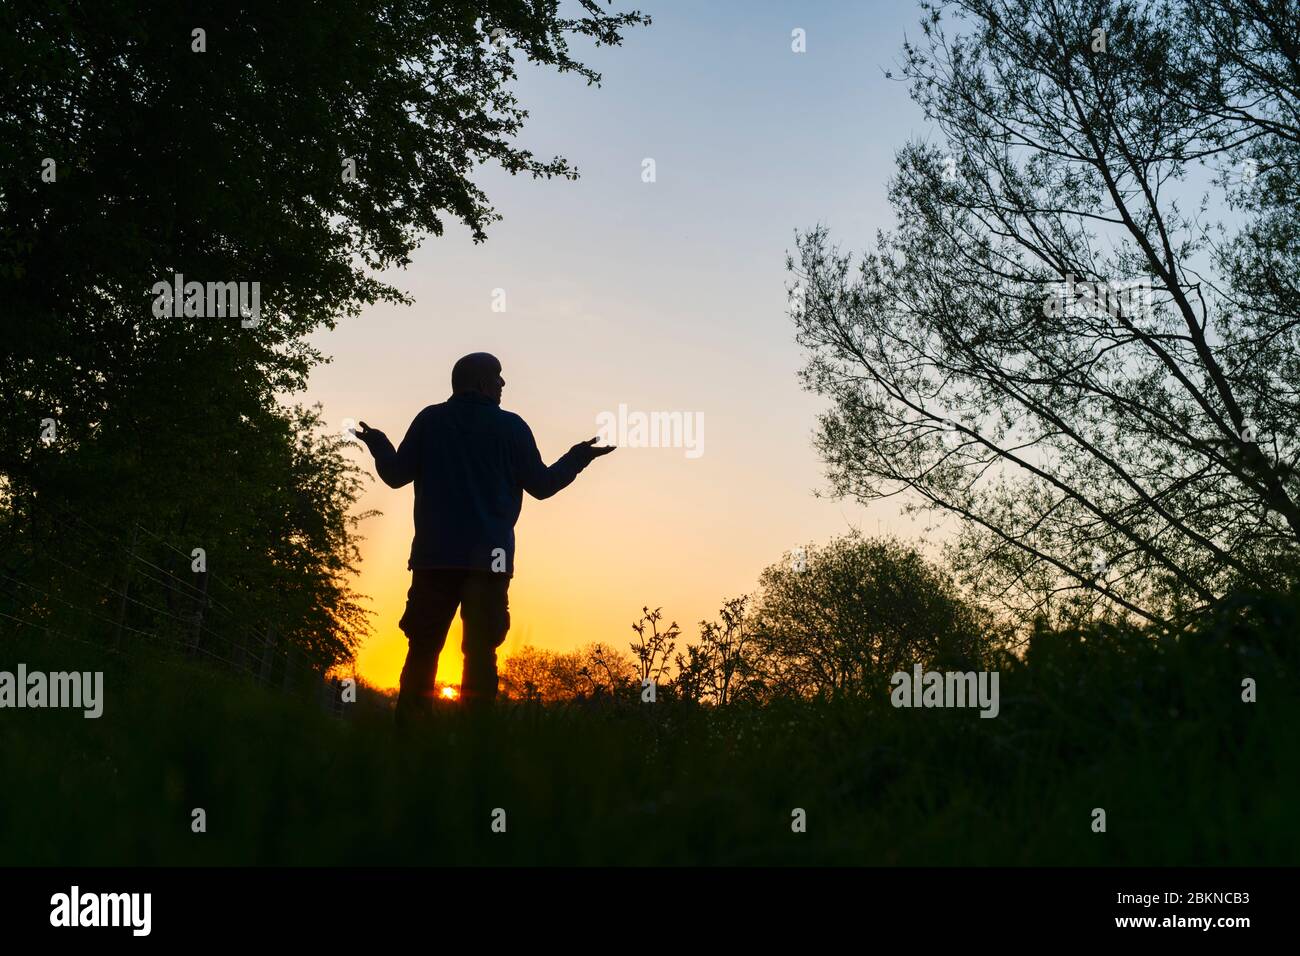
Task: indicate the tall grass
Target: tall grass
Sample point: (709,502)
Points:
(1151,729)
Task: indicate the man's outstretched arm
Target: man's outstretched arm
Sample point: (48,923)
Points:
(396,467)
(542,481)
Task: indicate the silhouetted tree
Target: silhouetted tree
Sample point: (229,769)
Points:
(607,670)
(694,670)
(859,610)
(536,674)
(987,357)
(551,676)
(303,146)
(652,650)
(721,662)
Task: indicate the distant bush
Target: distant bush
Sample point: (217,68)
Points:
(835,619)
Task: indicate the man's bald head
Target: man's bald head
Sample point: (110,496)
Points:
(478,373)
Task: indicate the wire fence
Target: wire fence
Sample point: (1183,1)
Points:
(194,625)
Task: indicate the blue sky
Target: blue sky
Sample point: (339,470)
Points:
(662,296)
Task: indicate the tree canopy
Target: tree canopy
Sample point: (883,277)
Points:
(1081,337)
(301,146)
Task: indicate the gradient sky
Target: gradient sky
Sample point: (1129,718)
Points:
(664,296)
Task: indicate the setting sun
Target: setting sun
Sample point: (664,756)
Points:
(449,693)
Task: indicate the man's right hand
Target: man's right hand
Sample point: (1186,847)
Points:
(366,433)
(590,450)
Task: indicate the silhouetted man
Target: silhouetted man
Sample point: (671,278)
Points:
(471,462)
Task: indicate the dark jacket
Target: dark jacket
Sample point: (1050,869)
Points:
(471,462)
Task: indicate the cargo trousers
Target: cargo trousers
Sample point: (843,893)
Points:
(431,605)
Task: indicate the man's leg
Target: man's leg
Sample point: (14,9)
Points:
(485,614)
(430,606)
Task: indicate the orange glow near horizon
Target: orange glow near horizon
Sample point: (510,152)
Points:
(579,582)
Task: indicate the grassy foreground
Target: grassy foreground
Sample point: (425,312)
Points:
(1152,731)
